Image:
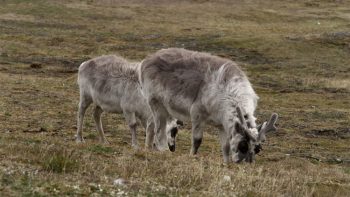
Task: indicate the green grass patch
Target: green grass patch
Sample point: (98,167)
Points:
(59,160)
(99,149)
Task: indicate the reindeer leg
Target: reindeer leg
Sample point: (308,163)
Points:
(149,134)
(225,146)
(84,103)
(160,116)
(197,119)
(131,120)
(97,117)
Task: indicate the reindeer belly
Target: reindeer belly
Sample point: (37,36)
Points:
(178,108)
(108,103)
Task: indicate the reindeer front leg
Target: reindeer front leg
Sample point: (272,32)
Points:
(131,120)
(225,146)
(150,134)
(160,116)
(197,118)
(97,118)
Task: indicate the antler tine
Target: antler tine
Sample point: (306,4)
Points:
(244,124)
(240,116)
(270,126)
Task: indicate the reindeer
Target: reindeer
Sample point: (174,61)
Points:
(203,88)
(111,83)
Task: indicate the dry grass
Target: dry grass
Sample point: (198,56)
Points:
(295,52)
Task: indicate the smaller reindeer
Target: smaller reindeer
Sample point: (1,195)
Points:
(111,83)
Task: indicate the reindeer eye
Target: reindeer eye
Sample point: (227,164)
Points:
(249,125)
(246,116)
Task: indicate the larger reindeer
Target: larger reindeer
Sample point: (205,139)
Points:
(204,88)
(110,82)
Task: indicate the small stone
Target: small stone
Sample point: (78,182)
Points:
(227,178)
(120,181)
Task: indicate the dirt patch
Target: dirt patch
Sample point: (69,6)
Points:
(210,44)
(42,66)
(8,24)
(54,61)
(36,65)
(336,38)
(35,130)
(318,158)
(341,39)
(80,6)
(342,133)
(17,17)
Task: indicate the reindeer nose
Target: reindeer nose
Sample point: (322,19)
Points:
(171,147)
(257,148)
(173,132)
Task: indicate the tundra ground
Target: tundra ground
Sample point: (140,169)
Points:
(296,54)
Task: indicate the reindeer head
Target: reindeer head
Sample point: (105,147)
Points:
(244,143)
(171,130)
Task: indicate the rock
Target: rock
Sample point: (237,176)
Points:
(227,178)
(120,181)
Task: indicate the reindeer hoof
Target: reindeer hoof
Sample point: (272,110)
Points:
(104,142)
(79,140)
(148,147)
(135,146)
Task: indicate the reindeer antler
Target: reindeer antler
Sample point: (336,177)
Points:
(240,116)
(268,127)
(244,124)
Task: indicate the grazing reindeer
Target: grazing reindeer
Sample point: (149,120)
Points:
(111,83)
(203,88)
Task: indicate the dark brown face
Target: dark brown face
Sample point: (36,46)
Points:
(243,144)
(172,141)
(245,151)
(172,131)
(257,148)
